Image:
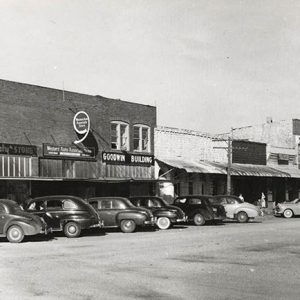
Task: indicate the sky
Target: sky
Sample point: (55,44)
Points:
(206,65)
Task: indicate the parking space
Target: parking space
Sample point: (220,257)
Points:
(257,260)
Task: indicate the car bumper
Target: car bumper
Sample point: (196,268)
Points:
(100,225)
(151,222)
(181,220)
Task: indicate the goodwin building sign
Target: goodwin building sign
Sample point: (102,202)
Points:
(68,152)
(127,159)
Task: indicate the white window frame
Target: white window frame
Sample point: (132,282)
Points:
(119,146)
(141,127)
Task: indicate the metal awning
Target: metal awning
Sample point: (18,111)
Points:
(208,167)
(293,171)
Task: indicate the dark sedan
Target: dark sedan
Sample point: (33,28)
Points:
(16,223)
(120,212)
(166,215)
(64,213)
(199,210)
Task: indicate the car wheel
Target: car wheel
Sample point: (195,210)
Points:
(163,223)
(15,234)
(288,213)
(199,220)
(72,230)
(242,217)
(128,226)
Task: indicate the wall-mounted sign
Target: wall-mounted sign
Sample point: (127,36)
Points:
(81,124)
(16,149)
(68,152)
(127,159)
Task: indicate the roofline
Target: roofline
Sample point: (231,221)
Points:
(67,91)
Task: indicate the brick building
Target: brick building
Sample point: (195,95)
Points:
(283,151)
(190,162)
(38,155)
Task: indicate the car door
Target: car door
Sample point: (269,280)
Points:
(182,203)
(107,212)
(54,213)
(3,218)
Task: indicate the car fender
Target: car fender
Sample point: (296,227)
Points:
(137,217)
(167,214)
(28,228)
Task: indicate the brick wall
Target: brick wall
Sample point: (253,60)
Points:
(276,133)
(37,115)
(187,144)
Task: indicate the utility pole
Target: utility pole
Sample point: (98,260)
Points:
(229,156)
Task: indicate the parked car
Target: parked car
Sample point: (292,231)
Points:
(166,215)
(288,209)
(199,210)
(16,223)
(236,208)
(64,213)
(120,212)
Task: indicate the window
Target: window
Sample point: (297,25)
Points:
(54,204)
(106,204)
(141,138)
(2,209)
(119,133)
(118,204)
(68,204)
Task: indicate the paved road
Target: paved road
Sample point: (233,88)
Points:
(259,260)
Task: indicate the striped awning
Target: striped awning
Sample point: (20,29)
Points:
(208,167)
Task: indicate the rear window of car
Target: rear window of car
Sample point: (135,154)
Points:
(118,204)
(69,204)
(196,201)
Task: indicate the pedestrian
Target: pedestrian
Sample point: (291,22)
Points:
(263,200)
(241,197)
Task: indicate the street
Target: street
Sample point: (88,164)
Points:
(258,260)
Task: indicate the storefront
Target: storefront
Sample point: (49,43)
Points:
(84,145)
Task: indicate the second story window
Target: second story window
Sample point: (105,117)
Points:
(119,135)
(141,138)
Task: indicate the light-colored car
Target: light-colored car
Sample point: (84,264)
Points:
(288,209)
(237,209)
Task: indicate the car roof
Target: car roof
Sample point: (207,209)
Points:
(194,196)
(106,198)
(142,197)
(43,198)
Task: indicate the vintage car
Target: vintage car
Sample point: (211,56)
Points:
(120,212)
(199,210)
(16,223)
(236,208)
(288,209)
(166,215)
(64,213)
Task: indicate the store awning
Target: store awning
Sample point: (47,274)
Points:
(208,167)
(293,171)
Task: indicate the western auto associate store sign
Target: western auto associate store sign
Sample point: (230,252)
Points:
(127,159)
(68,152)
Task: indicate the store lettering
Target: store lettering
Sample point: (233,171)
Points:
(141,159)
(113,157)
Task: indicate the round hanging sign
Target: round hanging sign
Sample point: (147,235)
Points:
(81,124)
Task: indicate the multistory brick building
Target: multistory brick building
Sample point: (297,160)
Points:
(39,154)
